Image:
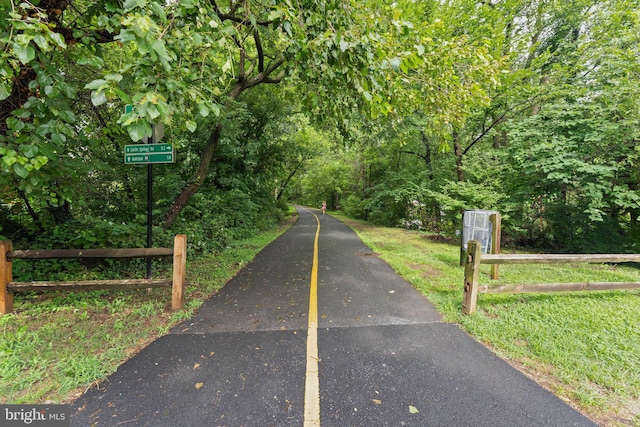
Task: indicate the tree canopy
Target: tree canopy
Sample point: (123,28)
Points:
(403,112)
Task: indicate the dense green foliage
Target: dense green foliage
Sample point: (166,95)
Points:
(207,70)
(549,138)
(405,113)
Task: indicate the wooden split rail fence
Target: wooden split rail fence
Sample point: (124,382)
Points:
(8,287)
(471,273)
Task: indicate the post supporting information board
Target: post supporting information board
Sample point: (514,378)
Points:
(150,153)
(149,215)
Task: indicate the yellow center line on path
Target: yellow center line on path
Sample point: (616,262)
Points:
(312,383)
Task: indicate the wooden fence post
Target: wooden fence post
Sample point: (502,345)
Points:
(6,276)
(496,221)
(179,271)
(471,271)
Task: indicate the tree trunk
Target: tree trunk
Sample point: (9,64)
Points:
(32,213)
(285,184)
(457,148)
(427,154)
(192,188)
(535,108)
(243,82)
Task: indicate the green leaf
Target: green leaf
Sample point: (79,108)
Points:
(228,28)
(37,163)
(413,410)
(203,110)
(66,88)
(95,84)
(20,170)
(114,77)
(10,157)
(111,7)
(159,10)
(42,43)
(227,66)
(139,130)
(98,98)
(153,112)
(159,47)
(29,151)
(14,124)
(188,4)
(58,138)
(132,4)
(5,91)
(58,39)
(287,27)
(125,36)
(67,115)
(25,53)
(124,97)
(191,125)
(143,47)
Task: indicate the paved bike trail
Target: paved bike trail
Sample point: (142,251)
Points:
(384,356)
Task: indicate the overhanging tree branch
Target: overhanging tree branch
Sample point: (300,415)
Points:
(231,16)
(256,38)
(518,108)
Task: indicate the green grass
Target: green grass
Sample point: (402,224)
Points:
(583,346)
(57,344)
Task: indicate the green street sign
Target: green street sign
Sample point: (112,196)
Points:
(141,154)
(129,108)
(145,159)
(148,148)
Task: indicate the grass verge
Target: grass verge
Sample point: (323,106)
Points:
(58,344)
(582,346)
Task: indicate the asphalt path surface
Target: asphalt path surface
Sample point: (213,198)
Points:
(384,356)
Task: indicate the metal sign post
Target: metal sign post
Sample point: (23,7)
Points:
(149,214)
(156,136)
(149,153)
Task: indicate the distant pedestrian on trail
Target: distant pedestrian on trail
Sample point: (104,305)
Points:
(324,207)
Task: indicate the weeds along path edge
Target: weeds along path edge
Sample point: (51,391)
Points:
(58,344)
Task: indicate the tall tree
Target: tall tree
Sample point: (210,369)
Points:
(182,63)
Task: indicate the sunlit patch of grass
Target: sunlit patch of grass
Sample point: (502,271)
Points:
(583,346)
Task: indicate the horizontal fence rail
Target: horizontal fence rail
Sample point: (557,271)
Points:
(87,285)
(556,258)
(471,275)
(91,253)
(8,287)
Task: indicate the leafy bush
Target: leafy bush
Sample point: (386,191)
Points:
(353,207)
(212,220)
